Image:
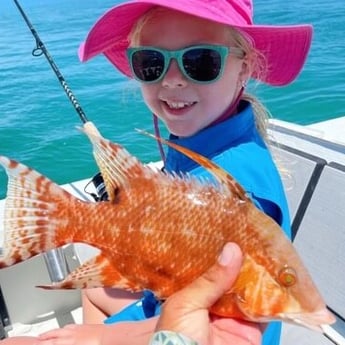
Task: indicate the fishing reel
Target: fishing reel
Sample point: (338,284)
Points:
(100,190)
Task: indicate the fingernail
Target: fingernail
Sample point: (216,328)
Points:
(227,255)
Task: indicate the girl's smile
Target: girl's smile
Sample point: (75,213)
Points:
(178,105)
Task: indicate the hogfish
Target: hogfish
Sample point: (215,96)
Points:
(160,232)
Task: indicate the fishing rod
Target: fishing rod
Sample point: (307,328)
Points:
(41,49)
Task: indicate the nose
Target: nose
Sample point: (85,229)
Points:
(174,77)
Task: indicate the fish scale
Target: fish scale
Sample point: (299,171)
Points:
(160,232)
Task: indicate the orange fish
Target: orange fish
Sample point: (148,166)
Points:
(160,232)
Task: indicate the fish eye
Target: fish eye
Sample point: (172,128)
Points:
(287,276)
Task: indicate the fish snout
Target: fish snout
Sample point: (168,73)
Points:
(313,320)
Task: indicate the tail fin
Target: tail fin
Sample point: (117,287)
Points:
(30,215)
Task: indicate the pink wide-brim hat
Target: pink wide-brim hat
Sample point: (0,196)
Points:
(285,48)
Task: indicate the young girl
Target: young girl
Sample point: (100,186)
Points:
(193,59)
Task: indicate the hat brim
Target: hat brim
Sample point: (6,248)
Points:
(284,48)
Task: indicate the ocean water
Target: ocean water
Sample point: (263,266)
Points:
(38,123)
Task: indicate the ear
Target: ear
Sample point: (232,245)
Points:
(246,70)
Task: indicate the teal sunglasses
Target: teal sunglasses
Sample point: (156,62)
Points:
(201,64)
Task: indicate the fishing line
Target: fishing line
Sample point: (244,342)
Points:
(41,49)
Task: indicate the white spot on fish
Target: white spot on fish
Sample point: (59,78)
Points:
(130,229)
(146,231)
(189,233)
(164,247)
(149,210)
(194,198)
(187,266)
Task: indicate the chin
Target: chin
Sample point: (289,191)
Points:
(183,132)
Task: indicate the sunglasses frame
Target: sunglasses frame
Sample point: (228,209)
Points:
(168,55)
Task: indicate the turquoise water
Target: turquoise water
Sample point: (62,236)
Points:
(38,123)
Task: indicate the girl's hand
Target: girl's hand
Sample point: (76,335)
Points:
(74,335)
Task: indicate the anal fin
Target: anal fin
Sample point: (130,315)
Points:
(96,272)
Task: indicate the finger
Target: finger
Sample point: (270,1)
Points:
(23,340)
(54,333)
(48,335)
(208,288)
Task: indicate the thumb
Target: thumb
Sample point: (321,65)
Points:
(217,280)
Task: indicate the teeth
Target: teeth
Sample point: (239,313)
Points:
(179,105)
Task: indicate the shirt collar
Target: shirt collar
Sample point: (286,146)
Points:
(212,140)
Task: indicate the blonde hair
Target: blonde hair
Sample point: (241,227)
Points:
(256,60)
(257,63)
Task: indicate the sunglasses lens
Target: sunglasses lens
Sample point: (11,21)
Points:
(202,64)
(147,64)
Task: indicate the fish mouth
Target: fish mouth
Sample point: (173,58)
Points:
(315,320)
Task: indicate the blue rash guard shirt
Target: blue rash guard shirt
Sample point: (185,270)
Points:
(238,148)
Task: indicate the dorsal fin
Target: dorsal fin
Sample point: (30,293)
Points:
(116,164)
(222,176)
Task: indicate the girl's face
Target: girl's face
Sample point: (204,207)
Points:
(184,106)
